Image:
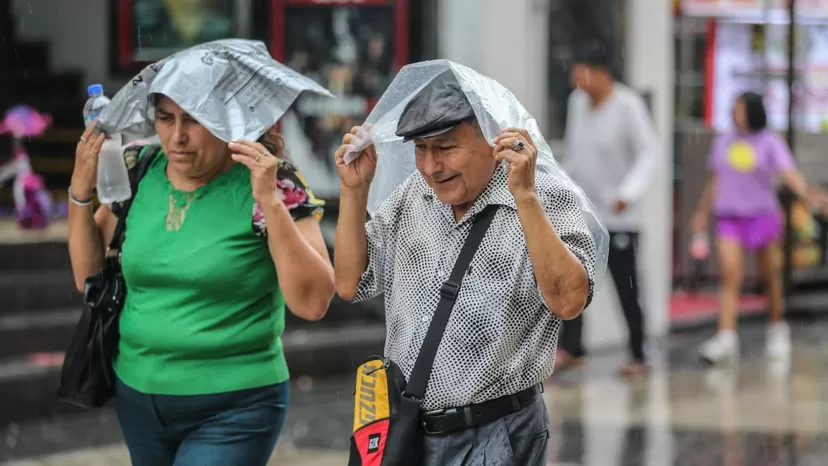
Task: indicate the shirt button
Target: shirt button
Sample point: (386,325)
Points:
(425,318)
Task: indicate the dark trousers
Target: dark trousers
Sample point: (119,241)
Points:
(622,266)
(520,439)
(227,429)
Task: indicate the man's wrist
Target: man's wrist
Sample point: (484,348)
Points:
(526,199)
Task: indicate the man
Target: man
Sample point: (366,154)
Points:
(611,152)
(533,268)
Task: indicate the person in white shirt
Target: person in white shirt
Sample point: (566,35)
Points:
(611,150)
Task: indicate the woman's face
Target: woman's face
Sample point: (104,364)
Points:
(740,115)
(190,148)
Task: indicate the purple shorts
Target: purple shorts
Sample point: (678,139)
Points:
(752,232)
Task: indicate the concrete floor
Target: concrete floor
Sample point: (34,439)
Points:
(759,413)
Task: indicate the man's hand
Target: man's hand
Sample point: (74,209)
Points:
(516,147)
(360,172)
(619,206)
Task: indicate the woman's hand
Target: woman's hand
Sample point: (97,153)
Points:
(85,173)
(360,172)
(263,169)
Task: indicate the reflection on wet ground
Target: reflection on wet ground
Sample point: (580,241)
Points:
(684,414)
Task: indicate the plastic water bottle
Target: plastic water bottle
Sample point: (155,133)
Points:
(113,176)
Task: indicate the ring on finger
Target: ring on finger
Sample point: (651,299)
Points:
(518,146)
(83,139)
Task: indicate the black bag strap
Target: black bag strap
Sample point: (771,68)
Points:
(148,154)
(417,383)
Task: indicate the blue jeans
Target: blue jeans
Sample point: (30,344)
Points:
(237,428)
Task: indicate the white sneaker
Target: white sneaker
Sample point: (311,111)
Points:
(778,345)
(722,348)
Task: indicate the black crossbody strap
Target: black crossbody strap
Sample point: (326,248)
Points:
(417,383)
(148,155)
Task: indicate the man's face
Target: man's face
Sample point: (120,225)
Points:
(582,76)
(457,164)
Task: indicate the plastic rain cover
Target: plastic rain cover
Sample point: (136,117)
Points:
(494,106)
(233,87)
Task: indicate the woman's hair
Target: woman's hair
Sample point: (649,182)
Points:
(274,143)
(755,114)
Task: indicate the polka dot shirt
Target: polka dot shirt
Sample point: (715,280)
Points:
(501,337)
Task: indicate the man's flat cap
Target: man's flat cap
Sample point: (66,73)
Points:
(437,108)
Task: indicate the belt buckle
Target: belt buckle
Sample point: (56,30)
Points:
(436,413)
(440,412)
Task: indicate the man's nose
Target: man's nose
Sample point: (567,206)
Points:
(431,164)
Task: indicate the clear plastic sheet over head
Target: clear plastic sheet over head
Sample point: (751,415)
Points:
(233,87)
(495,108)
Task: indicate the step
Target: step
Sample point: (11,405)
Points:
(812,278)
(32,332)
(46,290)
(30,54)
(45,256)
(28,384)
(27,390)
(38,291)
(800,306)
(810,303)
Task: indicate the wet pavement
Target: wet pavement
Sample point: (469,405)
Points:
(684,414)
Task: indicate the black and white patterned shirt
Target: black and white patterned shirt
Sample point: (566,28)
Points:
(501,337)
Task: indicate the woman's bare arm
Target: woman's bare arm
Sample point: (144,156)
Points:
(89,233)
(306,276)
(702,212)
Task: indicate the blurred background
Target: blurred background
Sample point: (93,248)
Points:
(689,59)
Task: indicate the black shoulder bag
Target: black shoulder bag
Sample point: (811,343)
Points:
(388,427)
(87,378)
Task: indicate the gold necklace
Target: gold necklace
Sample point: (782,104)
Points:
(177,210)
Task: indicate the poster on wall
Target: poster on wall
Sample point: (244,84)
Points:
(742,60)
(354,49)
(148,30)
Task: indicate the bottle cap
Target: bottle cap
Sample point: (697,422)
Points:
(95,90)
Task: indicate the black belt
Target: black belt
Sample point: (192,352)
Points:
(446,421)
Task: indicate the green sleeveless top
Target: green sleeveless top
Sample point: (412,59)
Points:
(204,313)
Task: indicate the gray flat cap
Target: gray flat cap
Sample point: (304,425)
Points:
(436,109)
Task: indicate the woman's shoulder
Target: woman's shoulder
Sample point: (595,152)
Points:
(136,151)
(771,137)
(296,195)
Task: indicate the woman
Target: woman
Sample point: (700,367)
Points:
(220,238)
(744,165)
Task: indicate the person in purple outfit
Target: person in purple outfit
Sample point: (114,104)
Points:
(740,192)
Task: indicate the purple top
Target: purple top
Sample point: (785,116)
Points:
(746,166)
